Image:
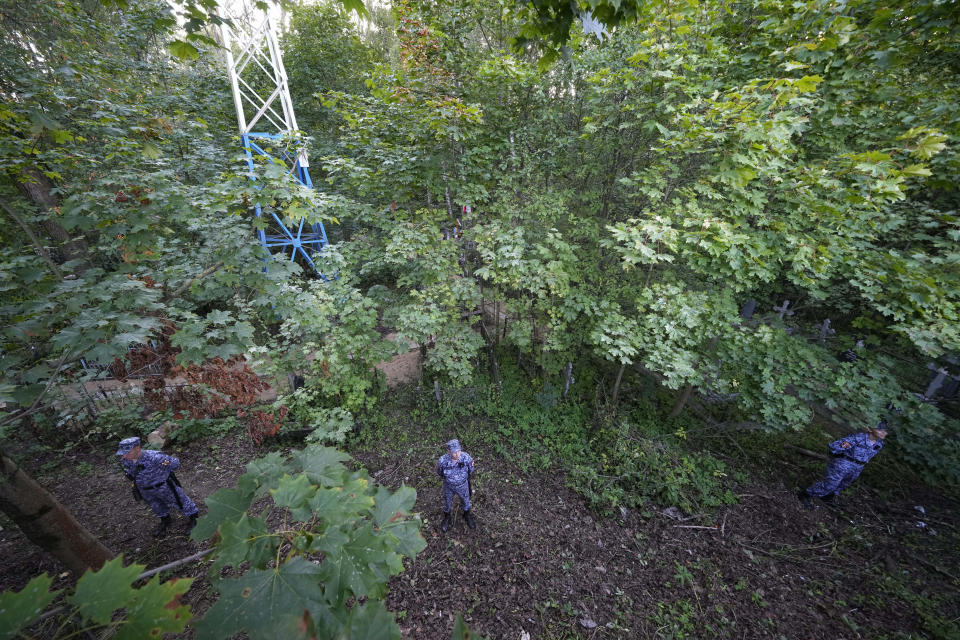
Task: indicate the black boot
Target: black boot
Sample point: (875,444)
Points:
(804,498)
(161,528)
(445,525)
(191,523)
(469,518)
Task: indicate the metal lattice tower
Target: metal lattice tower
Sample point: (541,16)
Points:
(265,114)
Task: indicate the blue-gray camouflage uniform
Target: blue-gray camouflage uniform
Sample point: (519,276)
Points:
(151,474)
(456,476)
(850,454)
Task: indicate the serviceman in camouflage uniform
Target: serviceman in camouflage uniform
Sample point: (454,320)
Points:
(153,480)
(455,467)
(850,454)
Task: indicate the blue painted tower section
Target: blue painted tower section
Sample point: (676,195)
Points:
(276,236)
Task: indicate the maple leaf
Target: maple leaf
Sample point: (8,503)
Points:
(267,603)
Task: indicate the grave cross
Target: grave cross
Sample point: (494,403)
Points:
(825,330)
(783,309)
(936,383)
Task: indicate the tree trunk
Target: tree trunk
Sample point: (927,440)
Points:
(423,358)
(39,191)
(616,385)
(682,401)
(46,522)
(688,390)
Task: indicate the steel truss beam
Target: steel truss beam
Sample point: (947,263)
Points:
(265,116)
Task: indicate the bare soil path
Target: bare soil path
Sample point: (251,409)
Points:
(541,563)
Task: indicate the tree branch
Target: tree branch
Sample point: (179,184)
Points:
(189,283)
(807,452)
(41,250)
(36,403)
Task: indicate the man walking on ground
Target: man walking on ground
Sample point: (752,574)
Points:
(850,455)
(151,473)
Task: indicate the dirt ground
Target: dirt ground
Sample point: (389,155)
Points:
(540,563)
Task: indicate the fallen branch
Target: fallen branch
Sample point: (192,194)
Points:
(695,526)
(930,565)
(174,564)
(145,574)
(807,452)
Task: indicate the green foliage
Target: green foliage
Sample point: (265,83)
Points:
(549,24)
(675,620)
(330,328)
(150,610)
(188,429)
(115,173)
(321,572)
(114,423)
(928,605)
(19,609)
(360,531)
(330,426)
(632,469)
(323,51)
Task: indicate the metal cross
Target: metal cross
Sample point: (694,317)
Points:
(783,309)
(825,330)
(936,383)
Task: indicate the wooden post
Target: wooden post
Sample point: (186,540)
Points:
(494,368)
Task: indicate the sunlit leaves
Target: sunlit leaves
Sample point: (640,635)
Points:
(925,142)
(183,50)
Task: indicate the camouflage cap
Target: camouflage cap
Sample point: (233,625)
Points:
(453,446)
(127,445)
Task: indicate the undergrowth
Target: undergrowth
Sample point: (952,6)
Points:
(625,459)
